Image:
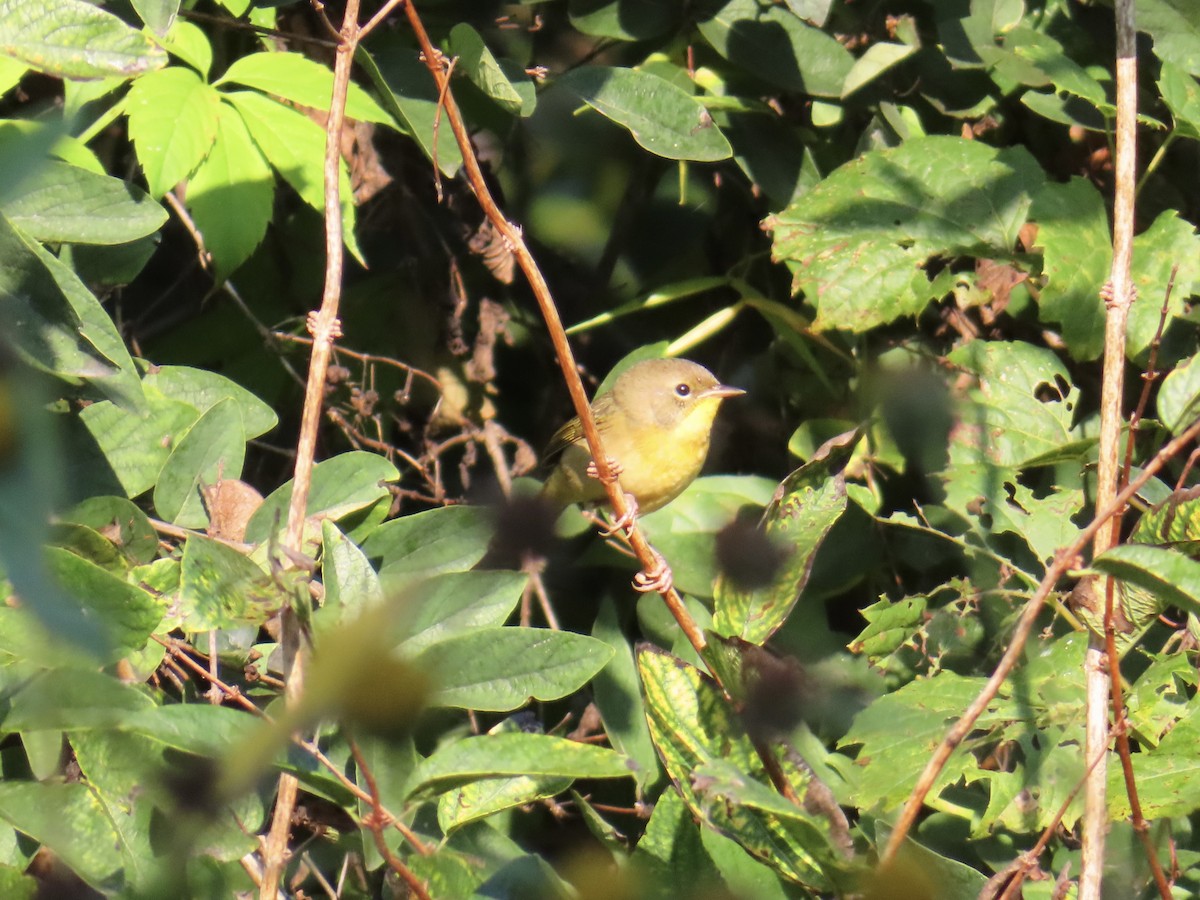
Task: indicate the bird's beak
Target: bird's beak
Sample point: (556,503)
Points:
(723,391)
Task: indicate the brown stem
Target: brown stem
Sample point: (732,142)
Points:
(541,291)
(1063,561)
(324,327)
(1103,665)
(377,821)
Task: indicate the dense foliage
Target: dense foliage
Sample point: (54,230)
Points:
(889,222)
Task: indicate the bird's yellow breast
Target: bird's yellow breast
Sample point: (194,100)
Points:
(658,463)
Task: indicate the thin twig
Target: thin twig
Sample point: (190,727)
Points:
(364,357)
(376,822)
(1020,867)
(378,18)
(237,25)
(1064,560)
(1148,377)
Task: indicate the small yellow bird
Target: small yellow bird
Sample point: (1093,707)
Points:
(655,424)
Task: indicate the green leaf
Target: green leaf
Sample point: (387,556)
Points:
(617,694)
(450,539)
(1171,578)
(1175,27)
(301,80)
(476,61)
(189,43)
(232,194)
(42,325)
(409,93)
(1181,93)
(662,118)
(950,878)
(211,450)
(1174,521)
(905,726)
(349,581)
(121,522)
(879,57)
(1077,251)
(294,145)
(805,508)
(340,485)
(501,669)
(774,44)
(222,588)
(159,15)
(198,728)
(488,796)
(671,855)
(127,613)
(135,446)
(1178,399)
(89,544)
(1170,241)
(172,123)
(64,203)
(109,267)
(121,382)
(203,389)
(491,756)
(449,603)
(480,799)
(891,625)
(1023,409)
(74,39)
(1166,776)
(626,20)
(693,725)
(72,700)
(858,242)
(69,819)
(1049,57)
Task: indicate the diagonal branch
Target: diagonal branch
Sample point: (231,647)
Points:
(541,291)
(1016,646)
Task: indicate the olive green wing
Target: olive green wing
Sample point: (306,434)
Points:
(572,433)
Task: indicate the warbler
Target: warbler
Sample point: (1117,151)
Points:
(655,424)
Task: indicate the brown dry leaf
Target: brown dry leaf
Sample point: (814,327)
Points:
(998,279)
(230,505)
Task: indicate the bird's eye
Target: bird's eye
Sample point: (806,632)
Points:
(683,390)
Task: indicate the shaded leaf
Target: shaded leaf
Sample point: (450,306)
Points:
(340,485)
(661,117)
(806,505)
(490,756)
(211,450)
(1077,251)
(501,669)
(64,203)
(773,43)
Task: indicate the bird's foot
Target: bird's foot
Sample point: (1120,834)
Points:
(625,522)
(614,470)
(657,579)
